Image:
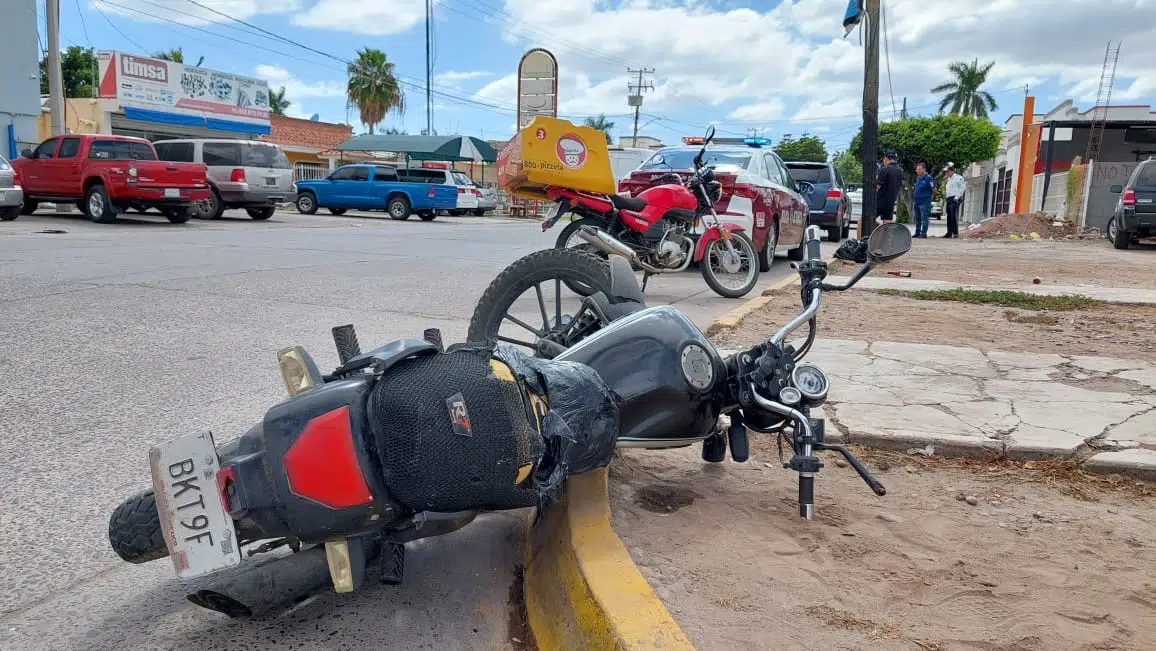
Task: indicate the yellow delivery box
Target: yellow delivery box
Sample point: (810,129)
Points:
(554,152)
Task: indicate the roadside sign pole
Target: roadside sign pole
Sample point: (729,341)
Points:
(870,151)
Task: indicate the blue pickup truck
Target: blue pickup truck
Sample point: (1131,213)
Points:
(375,187)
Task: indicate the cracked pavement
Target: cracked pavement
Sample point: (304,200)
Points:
(1099,411)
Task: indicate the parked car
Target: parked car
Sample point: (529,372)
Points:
(1135,215)
(11,192)
(828,202)
(488,202)
(105,175)
(624,160)
(758,192)
(469,196)
(245,174)
(375,187)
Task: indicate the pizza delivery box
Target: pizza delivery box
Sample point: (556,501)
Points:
(554,152)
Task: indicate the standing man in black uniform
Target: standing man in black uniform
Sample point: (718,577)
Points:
(887,189)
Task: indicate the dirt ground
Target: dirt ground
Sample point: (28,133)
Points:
(1123,331)
(1090,261)
(1033,564)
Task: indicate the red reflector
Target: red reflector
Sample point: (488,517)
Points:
(238,176)
(225,478)
(834,193)
(430,194)
(321,465)
(1129,198)
(16,178)
(461,190)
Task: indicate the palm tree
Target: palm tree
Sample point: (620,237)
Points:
(176,55)
(373,88)
(601,124)
(277,102)
(963,93)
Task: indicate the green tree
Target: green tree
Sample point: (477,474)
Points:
(935,142)
(600,123)
(963,93)
(850,167)
(277,102)
(808,149)
(373,88)
(78,70)
(176,55)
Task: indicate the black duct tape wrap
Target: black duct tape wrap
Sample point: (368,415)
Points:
(484,428)
(580,427)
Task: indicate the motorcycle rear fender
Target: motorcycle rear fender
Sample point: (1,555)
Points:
(255,480)
(714,233)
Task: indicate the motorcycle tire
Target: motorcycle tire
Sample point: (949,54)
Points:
(743,243)
(534,269)
(134,530)
(563,241)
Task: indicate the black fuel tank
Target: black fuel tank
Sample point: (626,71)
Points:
(669,376)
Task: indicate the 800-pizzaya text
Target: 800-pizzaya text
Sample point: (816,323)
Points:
(198,522)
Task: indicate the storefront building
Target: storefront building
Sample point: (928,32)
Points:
(155,99)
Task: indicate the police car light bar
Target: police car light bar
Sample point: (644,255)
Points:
(757,142)
(688,140)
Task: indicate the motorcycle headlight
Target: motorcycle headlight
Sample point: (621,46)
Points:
(810,381)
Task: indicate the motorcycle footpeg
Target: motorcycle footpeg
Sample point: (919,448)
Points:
(714,448)
(345,339)
(434,336)
(740,446)
(393,564)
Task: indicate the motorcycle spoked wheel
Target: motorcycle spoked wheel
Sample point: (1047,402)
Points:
(553,268)
(715,260)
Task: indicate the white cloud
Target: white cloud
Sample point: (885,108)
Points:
(372,17)
(767,110)
(190,14)
(452,77)
(296,89)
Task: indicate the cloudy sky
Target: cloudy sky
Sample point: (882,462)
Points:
(782,66)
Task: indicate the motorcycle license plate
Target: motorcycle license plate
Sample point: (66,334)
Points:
(553,217)
(198,532)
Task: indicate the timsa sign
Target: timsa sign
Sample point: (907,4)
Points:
(147,69)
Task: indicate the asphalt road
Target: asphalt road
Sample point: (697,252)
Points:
(116,337)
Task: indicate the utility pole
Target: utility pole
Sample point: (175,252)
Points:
(903,112)
(870,150)
(635,97)
(428,67)
(55,78)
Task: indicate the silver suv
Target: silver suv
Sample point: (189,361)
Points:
(245,174)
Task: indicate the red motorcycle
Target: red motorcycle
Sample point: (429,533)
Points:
(655,230)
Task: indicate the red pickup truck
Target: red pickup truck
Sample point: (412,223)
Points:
(105,175)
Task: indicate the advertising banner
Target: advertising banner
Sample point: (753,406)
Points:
(150,83)
(537,86)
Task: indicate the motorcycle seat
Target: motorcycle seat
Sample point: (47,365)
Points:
(627,203)
(681,214)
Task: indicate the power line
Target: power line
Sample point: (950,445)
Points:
(96,6)
(887,53)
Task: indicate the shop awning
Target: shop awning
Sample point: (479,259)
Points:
(216,124)
(441,148)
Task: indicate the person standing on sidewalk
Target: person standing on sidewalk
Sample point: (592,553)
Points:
(924,188)
(887,189)
(954,192)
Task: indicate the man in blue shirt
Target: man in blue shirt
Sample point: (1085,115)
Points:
(924,189)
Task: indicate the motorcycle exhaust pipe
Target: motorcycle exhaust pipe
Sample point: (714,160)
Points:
(602,241)
(269,587)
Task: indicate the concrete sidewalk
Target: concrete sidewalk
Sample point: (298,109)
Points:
(962,402)
(1125,295)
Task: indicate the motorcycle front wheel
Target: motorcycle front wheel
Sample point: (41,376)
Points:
(731,274)
(527,305)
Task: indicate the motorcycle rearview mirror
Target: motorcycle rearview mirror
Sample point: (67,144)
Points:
(887,242)
(709,136)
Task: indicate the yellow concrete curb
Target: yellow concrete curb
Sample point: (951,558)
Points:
(734,318)
(582,589)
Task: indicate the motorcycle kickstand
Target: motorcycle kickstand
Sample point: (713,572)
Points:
(645,277)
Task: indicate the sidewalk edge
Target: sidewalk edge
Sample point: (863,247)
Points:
(582,589)
(735,317)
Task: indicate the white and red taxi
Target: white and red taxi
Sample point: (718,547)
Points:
(758,191)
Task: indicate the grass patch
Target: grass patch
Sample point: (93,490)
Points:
(1021,300)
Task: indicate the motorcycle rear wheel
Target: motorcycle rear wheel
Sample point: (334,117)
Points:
(134,530)
(524,275)
(566,241)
